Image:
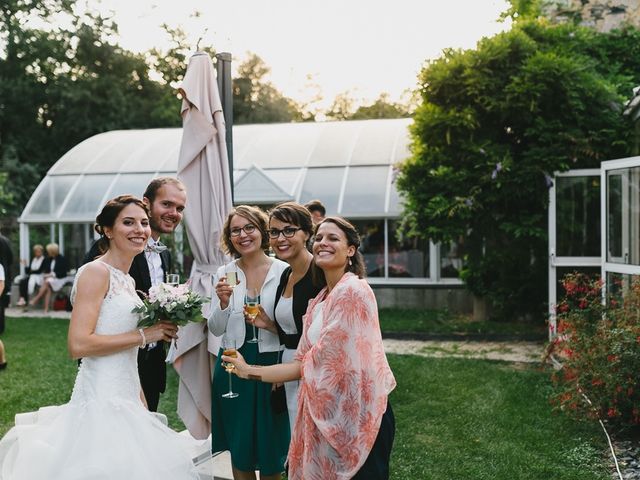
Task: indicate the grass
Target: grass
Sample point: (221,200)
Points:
(456,418)
(442,322)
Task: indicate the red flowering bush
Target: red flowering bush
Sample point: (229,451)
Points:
(599,348)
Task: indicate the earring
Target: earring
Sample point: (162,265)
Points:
(350,262)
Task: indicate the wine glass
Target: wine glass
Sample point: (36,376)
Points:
(232,280)
(173,279)
(229,350)
(252,307)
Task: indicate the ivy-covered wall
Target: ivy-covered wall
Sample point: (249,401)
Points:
(602,15)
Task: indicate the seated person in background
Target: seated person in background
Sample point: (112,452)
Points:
(55,275)
(34,274)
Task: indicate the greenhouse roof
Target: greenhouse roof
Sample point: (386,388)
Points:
(346,165)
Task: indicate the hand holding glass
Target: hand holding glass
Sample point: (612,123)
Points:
(232,280)
(252,308)
(229,350)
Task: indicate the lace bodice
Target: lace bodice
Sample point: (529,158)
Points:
(111,377)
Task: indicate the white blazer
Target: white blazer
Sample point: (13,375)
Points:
(233,325)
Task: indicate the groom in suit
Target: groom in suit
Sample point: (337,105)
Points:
(166,198)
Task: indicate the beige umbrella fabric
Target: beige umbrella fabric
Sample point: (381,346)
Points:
(204,169)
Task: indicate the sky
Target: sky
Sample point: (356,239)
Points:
(364,47)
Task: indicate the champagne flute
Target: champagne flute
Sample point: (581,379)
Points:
(252,307)
(229,350)
(232,280)
(173,279)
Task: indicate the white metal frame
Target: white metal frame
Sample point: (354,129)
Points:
(607,266)
(556,261)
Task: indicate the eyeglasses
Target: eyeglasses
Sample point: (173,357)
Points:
(249,228)
(288,232)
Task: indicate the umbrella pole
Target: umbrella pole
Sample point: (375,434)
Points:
(223,72)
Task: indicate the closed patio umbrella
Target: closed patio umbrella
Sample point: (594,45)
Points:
(204,169)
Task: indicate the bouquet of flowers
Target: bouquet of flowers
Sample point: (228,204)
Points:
(172,303)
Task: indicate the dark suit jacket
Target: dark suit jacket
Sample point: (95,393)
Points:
(303,291)
(6,259)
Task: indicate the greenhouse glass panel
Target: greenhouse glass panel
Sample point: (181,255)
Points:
(120,150)
(131,183)
(365,191)
(156,150)
(619,284)
(623,216)
(375,144)
(577,223)
(335,144)
(285,178)
(372,245)
(79,158)
(451,259)
(408,256)
(395,201)
(87,198)
(614,216)
(323,184)
(51,195)
(286,146)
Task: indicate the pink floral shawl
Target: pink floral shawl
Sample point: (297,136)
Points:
(344,387)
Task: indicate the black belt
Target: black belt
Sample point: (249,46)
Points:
(290,340)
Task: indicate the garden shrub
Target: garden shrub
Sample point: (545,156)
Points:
(599,347)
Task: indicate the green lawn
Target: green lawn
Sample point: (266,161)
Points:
(456,418)
(442,322)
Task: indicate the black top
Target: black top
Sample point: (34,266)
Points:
(60,269)
(303,291)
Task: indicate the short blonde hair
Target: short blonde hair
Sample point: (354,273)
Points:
(53,249)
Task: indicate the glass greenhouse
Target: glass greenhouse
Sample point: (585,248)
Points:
(349,166)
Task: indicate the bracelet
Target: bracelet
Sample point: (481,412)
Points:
(144,339)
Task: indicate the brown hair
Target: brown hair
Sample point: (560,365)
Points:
(294,213)
(316,206)
(157,183)
(353,239)
(107,217)
(256,216)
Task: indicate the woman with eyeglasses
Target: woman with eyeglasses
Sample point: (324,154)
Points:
(246,425)
(345,426)
(290,228)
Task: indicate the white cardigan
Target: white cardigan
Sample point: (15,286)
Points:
(233,325)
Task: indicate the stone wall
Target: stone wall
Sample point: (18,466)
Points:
(455,299)
(602,15)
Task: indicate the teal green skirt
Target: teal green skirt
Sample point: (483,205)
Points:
(257,438)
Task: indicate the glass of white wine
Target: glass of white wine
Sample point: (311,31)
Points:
(252,307)
(232,280)
(229,350)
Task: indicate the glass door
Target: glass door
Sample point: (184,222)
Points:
(574,230)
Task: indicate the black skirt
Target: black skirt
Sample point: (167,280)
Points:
(376,467)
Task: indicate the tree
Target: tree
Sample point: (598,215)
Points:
(343,108)
(255,100)
(59,86)
(381,108)
(496,122)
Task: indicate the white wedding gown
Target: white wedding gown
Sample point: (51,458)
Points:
(104,432)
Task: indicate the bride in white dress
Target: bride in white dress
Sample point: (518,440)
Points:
(104,432)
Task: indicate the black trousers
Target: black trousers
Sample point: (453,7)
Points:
(376,467)
(153,374)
